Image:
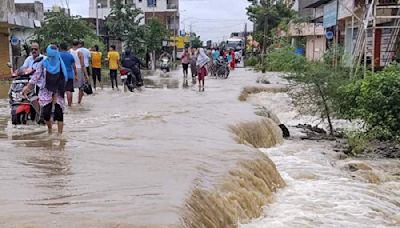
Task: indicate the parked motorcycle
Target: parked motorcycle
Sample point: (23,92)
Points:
(23,109)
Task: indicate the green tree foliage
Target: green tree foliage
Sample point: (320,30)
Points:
(124,20)
(58,27)
(124,23)
(375,100)
(156,33)
(271,13)
(315,84)
(196,41)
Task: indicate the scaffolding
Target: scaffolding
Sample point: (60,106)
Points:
(375,17)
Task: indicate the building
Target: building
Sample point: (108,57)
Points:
(166,10)
(17,21)
(368,30)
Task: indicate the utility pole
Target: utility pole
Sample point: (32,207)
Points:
(264,51)
(245,43)
(175,27)
(190,36)
(97,17)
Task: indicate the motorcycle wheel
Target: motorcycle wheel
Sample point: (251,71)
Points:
(14,119)
(21,118)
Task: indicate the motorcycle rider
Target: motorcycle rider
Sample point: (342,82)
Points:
(130,61)
(35,57)
(165,54)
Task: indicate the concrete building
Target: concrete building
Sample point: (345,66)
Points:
(17,22)
(368,30)
(166,10)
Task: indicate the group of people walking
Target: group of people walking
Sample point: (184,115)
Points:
(200,60)
(63,69)
(66,67)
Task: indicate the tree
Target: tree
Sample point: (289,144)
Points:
(156,33)
(124,20)
(267,16)
(58,27)
(315,84)
(196,41)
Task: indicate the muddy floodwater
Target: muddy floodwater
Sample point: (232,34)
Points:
(127,159)
(166,157)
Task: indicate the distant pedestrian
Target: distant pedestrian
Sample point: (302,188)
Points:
(148,57)
(233,59)
(81,71)
(193,68)
(96,66)
(185,63)
(216,54)
(202,61)
(72,74)
(113,65)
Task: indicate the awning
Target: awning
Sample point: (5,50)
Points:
(20,21)
(316,3)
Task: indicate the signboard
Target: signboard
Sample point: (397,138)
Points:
(306,29)
(14,40)
(330,14)
(329,35)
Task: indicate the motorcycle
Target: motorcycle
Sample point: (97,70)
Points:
(164,66)
(23,108)
(130,80)
(222,69)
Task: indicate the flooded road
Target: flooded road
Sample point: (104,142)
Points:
(151,158)
(126,159)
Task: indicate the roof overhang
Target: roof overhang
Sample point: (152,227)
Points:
(317,3)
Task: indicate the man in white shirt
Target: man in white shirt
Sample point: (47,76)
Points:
(30,60)
(86,55)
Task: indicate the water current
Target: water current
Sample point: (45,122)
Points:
(324,188)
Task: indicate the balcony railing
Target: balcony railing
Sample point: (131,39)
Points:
(172,6)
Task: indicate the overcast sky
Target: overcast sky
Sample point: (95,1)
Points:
(211,19)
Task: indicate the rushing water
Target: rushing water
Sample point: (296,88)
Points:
(126,159)
(323,188)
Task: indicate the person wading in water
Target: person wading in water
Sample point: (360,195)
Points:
(202,61)
(50,76)
(81,72)
(69,63)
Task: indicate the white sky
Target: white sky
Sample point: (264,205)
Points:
(211,19)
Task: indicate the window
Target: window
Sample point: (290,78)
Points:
(151,3)
(102,3)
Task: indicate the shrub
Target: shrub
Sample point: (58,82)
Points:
(376,101)
(252,61)
(284,60)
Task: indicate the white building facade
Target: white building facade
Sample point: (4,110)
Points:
(166,10)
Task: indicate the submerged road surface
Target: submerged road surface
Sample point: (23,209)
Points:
(126,159)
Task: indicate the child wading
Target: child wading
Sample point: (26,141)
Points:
(202,61)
